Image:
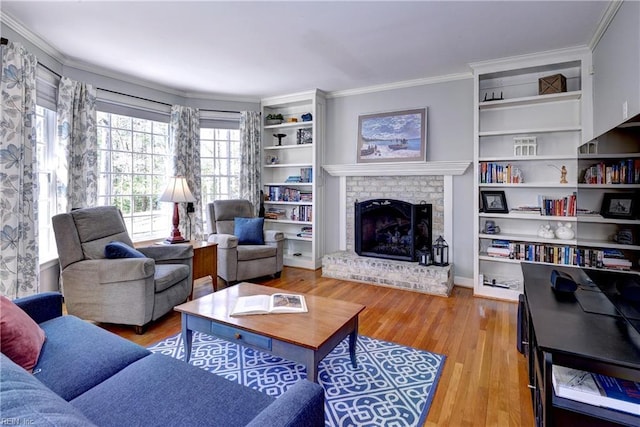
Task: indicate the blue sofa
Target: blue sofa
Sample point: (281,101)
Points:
(88,376)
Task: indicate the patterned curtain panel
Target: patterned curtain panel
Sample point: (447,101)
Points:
(184,138)
(78,139)
(250,124)
(19,264)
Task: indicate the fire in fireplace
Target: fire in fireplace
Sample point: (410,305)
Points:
(392,229)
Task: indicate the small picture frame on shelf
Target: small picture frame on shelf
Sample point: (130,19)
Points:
(494,202)
(619,206)
(304,136)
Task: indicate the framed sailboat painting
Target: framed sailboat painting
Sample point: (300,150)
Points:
(399,136)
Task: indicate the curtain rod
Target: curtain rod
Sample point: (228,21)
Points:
(49,69)
(163,103)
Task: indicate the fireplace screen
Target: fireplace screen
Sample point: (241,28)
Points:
(392,229)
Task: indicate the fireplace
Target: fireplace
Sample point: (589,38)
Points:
(392,229)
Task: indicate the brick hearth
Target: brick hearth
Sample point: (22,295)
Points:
(346,265)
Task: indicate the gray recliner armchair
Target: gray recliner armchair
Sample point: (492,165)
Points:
(238,262)
(129,291)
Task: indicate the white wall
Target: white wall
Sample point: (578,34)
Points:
(449,137)
(616,64)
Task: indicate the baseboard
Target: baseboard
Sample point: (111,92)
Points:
(463,282)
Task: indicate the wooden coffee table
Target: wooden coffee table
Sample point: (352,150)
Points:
(301,337)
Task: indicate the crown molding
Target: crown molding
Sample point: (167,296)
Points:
(400,85)
(532,59)
(605,21)
(30,36)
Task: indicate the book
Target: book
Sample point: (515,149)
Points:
(596,389)
(268,304)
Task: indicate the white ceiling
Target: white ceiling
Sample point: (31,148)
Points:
(253,49)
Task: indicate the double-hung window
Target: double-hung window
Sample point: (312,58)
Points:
(47,201)
(220,165)
(133,160)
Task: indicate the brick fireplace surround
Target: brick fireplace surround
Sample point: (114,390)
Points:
(431,182)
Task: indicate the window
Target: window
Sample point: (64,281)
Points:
(47,201)
(133,160)
(220,165)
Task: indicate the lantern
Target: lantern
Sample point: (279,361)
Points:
(424,256)
(440,251)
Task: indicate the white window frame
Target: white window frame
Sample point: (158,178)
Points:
(208,192)
(158,219)
(47,194)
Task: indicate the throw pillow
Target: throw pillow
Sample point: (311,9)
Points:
(21,338)
(249,230)
(121,250)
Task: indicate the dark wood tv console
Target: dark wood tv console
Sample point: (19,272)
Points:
(555,329)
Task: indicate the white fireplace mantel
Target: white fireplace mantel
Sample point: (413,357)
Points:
(447,169)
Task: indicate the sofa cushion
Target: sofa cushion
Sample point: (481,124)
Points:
(251,252)
(121,250)
(167,275)
(26,401)
(77,355)
(21,337)
(249,230)
(161,390)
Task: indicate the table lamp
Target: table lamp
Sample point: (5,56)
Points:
(177,191)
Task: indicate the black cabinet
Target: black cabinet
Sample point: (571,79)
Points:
(557,330)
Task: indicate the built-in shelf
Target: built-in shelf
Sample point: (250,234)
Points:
(288,221)
(291,125)
(289,203)
(531,130)
(531,216)
(527,158)
(289,165)
(288,184)
(289,147)
(611,186)
(570,187)
(531,100)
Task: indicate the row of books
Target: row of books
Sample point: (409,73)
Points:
(565,255)
(306,175)
(301,213)
(288,194)
(623,172)
(565,206)
(496,173)
(306,232)
(596,389)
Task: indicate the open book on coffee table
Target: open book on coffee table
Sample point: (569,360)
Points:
(266,304)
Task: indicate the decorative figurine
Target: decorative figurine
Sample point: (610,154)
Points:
(545,232)
(490,227)
(563,173)
(564,232)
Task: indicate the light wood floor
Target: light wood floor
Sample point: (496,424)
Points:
(484,381)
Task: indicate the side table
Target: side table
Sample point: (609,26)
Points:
(205,262)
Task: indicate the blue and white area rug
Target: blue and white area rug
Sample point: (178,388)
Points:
(392,385)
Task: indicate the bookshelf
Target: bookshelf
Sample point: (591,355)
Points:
(525,147)
(291,174)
